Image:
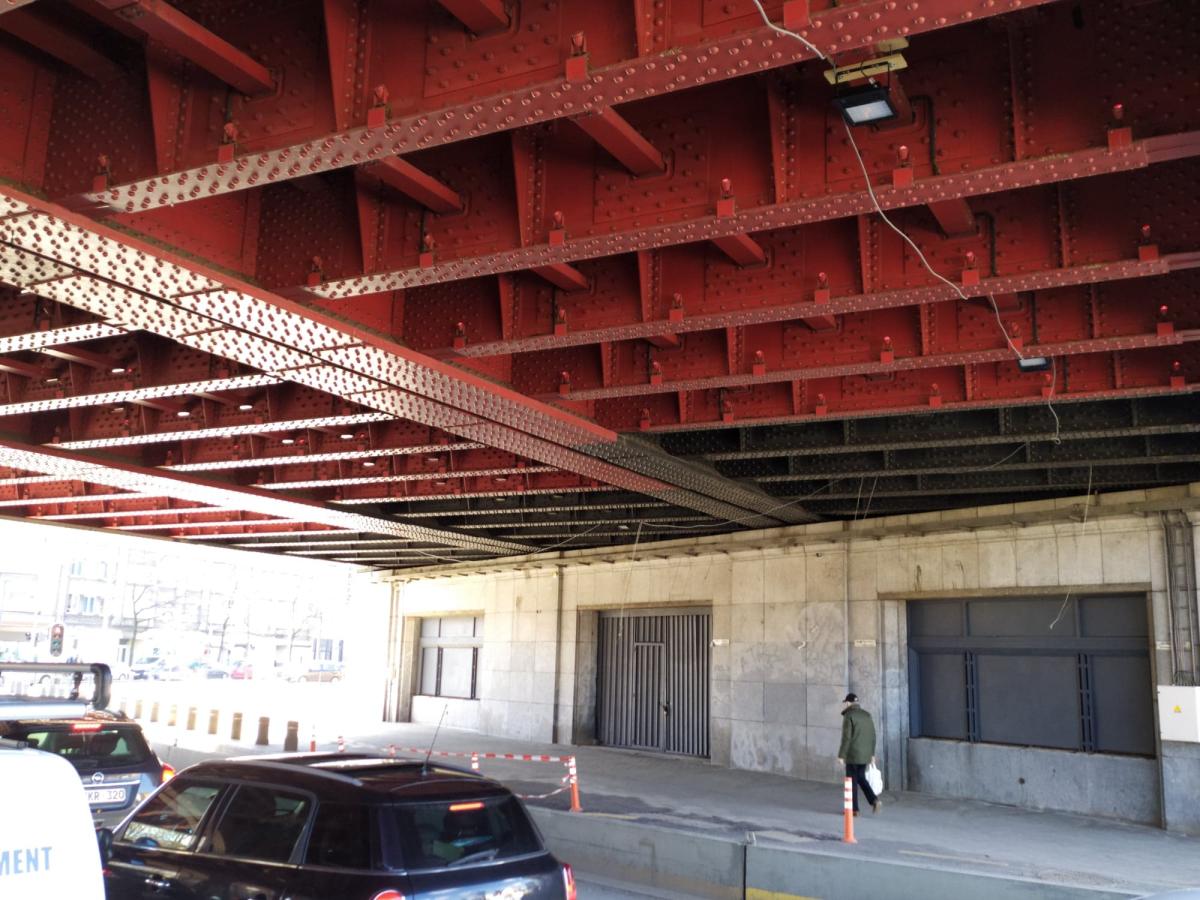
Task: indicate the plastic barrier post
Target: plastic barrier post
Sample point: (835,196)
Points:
(474,762)
(392,750)
(573,774)
(341,744)
(848,810)
(312,740)
(264,728)
(291,742)
(235,730)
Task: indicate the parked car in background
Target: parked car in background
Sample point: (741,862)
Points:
(242,670)
(108,751)
(315,826)
(321,671)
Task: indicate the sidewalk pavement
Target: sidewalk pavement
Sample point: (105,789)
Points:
(694,796)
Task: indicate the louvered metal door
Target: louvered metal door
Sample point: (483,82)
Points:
(653,681)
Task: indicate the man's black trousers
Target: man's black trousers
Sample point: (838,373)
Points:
(858,772)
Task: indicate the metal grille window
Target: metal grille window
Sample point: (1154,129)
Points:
(450,656)
(1070,673)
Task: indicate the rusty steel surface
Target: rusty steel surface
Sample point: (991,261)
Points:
(585,272)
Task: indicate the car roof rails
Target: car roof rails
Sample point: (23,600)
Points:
(26,706)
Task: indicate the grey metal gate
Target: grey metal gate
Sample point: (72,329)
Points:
(653,681)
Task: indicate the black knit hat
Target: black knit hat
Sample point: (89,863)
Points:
(851,698)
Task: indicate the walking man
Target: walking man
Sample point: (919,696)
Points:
(858,748)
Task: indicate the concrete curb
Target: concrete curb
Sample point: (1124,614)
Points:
(691,864)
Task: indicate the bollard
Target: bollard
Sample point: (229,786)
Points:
(312,740)
(172,714)
(573,774)
(235,730)
(474,761)
(154,711)
(291,743)
(213,715)
(341,744)
(137,709)
(848,810)
(191,719)
(264,726)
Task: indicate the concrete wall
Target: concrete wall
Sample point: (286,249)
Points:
(800,616)
(458,713)
(1121,787)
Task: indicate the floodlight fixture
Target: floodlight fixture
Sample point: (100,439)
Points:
(866,105)
(1033,363)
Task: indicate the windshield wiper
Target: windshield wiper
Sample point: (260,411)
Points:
(480,856)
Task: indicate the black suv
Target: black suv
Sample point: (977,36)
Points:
(110,753)
(320,826)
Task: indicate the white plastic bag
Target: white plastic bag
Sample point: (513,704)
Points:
(875,778)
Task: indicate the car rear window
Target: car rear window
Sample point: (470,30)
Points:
(90,747)
(462,832)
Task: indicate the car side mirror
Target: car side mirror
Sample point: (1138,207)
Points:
(104,839)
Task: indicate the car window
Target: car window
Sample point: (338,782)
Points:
(90,746)
(261,823)
(458,833)
(341,836)
(172,818)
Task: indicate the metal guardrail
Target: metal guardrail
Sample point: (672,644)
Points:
(28,706)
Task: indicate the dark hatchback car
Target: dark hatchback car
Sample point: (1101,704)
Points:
(322,826)
(116,765)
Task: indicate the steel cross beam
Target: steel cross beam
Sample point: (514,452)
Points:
(754,49)
(161,22)
(833,414)
(899,364)
(58,337)
(480,16)
(135,395)
(403,176)
(39,30)
(839,305)
(10,5)
(993,179)
(222,315)
(156,482)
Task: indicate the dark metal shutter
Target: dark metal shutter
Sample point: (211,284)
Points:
(1064,672)
(654,681)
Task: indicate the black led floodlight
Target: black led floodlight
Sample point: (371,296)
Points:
(865,106)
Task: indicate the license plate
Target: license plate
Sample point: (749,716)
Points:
(105,795)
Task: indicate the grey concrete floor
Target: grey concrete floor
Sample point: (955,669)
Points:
(914,828)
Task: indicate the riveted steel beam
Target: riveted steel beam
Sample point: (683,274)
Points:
(161,22)
(42,31)
(403,176)
(58,337)
(480,16)
(878,367)
(843,304)
(612,131)
(156,482)
(717,58)
(787,214)
(248,325)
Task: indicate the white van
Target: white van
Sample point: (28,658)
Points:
(48,846)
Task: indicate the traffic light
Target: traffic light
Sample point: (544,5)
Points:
(56,640)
